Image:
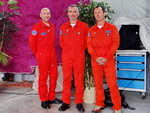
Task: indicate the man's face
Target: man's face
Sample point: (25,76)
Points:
(45,15)
(99,14)
(73,13)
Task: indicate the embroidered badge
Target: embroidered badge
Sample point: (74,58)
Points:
(60,32)
(78,33)
(89,34)
(67,30)
(44,33)
(34,32)
(65,34)
(108,32)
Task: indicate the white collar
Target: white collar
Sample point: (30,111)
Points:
(99,26)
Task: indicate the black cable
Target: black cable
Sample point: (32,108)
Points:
(124,104)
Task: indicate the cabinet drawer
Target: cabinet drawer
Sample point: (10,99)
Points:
(131,84)
(130,66)
(130,58)
(130,74)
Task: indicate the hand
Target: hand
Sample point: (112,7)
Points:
(101,60)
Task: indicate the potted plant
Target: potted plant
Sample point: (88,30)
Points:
(7,27)
(87,16)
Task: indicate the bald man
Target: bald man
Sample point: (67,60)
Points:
(41,41)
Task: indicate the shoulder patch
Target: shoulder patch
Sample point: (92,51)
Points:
(60,32)
(34,32)
(89,34)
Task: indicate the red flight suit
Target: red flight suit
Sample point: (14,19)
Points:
(41,41)
(103,43)
(73,43)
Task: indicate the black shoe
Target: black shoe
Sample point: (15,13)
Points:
(45,105)
(56,101)
(64,107)
(80,107)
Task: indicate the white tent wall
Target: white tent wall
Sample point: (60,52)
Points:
(132,12)
(135,12)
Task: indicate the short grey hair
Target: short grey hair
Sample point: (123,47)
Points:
(73,5)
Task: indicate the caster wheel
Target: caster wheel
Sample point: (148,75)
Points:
(143,95)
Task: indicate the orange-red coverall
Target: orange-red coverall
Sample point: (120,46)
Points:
(41,41)
(73,43)
(103,43)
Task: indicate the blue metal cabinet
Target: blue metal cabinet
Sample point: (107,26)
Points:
(131,70)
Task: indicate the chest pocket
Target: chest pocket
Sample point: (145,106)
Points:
(108,37)
(67,37)
(96,39)
(80,38)
(42,36)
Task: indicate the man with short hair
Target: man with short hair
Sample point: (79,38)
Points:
(41,41)
(103,41)
(73,36)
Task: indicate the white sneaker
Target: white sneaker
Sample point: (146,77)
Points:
(118,111)
(97,109)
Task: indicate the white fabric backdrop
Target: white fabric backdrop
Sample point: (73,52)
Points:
(132,12)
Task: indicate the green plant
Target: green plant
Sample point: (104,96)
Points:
(7,27)
(87,16)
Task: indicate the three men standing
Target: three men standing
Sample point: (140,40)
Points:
(103,41)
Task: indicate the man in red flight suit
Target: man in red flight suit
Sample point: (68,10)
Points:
(73,36)
(41,42)
(102,43)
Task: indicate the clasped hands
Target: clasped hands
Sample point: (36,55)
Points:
(101,60)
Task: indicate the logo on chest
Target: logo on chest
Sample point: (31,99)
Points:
(108,33)
(78,32)
(94,35)
(43,33)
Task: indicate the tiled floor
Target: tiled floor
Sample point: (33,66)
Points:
(25,100)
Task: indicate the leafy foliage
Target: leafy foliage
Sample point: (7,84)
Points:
(4,58)
(86,11)
(7,27)
(87,16)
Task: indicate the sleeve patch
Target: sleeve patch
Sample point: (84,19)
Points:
(89,34)
(34,32)
(60,33)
